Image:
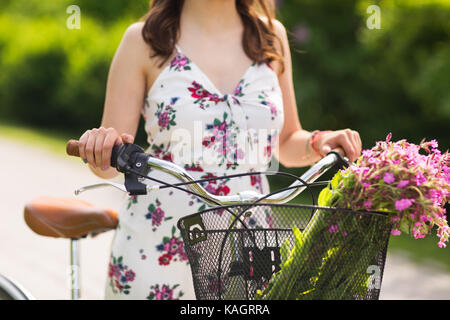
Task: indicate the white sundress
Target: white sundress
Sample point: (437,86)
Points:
(191,123)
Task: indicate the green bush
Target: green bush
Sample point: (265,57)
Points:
(55,77)
(113,10)
(376,81)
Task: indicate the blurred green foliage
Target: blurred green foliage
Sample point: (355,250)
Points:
(395,79)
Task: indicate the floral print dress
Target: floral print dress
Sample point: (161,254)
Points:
(191,123)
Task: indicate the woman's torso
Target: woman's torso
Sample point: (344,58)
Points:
(210,133)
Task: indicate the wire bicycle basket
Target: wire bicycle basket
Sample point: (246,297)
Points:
(234,251)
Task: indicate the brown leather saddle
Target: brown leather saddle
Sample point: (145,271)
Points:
(68,217)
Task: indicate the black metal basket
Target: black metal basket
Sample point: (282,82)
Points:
(235,251)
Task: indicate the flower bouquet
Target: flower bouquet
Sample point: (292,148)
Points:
(395,187)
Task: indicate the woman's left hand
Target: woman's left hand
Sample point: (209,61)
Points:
(347,139)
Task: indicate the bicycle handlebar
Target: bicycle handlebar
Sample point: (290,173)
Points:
(129,156)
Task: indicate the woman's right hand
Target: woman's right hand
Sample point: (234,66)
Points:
(96,146)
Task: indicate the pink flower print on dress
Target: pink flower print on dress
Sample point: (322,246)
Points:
(264,97)
(166,114)
(255,180)
(239,91)
(222,139)
(156,215)
(180,63)
(173,250)
(164,293)
(193,167)
(120,275)
(161,152)
(164,120)
(202,96)
(131,200)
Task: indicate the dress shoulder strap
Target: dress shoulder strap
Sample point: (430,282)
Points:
(177,47)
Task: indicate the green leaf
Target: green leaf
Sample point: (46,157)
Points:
(284,251)
(217,122)
(298,236)
(151,207)
(166,239)
(324,197)
(336,179)
(404,225)
(173,230)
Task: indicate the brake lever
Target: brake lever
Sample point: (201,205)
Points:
(133,158)
(105,183)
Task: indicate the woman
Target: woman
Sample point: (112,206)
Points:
(218,67)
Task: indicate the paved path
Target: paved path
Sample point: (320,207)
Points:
(40,264)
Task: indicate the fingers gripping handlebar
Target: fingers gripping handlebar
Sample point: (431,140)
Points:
(125,158)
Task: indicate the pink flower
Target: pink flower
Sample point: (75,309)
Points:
(395,232)
(157,216)
(166,293)
(173,246)
(441,244)
(333,228)
(388,137)
(368,204)
(388,177)
(414,186)
(402,184)
(130,275)
(164,120)
(433,144)
(435,196)
(403,204)
(420,179)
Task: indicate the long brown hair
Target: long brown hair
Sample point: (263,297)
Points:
(162,24)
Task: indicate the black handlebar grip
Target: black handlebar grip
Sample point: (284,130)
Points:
(114,155)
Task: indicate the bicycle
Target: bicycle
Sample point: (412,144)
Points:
(241,259)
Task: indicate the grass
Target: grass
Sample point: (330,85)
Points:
(49,140)
(420,250)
